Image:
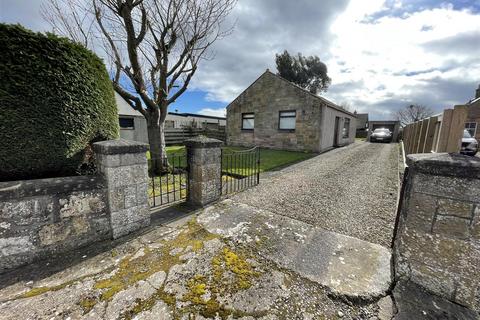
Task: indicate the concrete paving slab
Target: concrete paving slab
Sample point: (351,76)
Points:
(175,273)
(347,266)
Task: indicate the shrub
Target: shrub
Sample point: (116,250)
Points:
(55,100)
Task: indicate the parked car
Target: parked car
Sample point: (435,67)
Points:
(469,144)
(381,134)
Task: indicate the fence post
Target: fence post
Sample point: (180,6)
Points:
(123,164)
(407,131)
(437,239)
(204,158)
(457,126)
(444,130)
(430,134)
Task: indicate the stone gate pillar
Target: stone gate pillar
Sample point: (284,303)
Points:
(123,164)
(437,243)
(204,170)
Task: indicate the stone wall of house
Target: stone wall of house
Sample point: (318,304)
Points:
(437,243)
(44,217)
(266,98)
(39,218)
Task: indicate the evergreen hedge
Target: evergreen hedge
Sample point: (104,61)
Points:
(55,100)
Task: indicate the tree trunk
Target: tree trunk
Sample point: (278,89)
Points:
(156,139)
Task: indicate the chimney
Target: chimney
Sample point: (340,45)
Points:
(477,92)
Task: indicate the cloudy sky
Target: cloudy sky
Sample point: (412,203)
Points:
(381,54)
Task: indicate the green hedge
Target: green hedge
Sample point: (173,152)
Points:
(55,100)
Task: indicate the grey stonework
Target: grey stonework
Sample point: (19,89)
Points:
(437,245)
(204,165)
(270,94)
(123,165)
(45,217)
(39,218)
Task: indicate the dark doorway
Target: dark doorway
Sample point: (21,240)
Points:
(336,133)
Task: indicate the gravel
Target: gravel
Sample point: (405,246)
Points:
(350,190)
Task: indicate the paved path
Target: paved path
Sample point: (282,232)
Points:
(351,190)
(347,266)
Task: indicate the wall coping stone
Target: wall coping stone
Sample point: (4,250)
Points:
(120,146)
(202,141)
(37,187)
(445,164)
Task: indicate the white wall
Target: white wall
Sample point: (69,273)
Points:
(328,128)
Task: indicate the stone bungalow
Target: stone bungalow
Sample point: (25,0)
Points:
(275,113)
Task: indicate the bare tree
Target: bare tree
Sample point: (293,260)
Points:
(70,18)
(412,113)
(153,46)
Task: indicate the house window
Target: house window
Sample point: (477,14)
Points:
(126,123)
(248,121)
(471,127)
(346,128)
(287,120)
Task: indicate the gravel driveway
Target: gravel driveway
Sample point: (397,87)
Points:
(350,190)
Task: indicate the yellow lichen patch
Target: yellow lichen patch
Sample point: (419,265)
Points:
(87,304)
(197,288)
(36,291)
(240,267)
(147,304)
(130,271)
(40,290)
(231,273)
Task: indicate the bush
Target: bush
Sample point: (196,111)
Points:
(55,100)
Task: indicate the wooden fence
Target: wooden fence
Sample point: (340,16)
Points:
(177,136)
(441,133)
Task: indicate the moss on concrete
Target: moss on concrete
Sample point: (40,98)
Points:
(231,272)
(41,290)
(130,271)
(87,304)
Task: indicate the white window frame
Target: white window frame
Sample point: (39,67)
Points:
(287,114)
(248,116)
(469,128)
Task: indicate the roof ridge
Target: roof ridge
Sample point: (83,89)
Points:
(325,100)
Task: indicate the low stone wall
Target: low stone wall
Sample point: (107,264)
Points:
(437,244)
(42,217)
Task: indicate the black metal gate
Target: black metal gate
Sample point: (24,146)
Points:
(240,169)
(169,184)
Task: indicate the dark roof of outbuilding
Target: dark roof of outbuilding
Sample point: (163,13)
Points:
(186,114)
(324,100)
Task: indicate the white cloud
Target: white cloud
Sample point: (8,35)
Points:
(406,56)
(381,54)
(220,112)
(379,57)
(264,28)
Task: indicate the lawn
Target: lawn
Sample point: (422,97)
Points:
(269,159)
(272,159)
(238,165)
